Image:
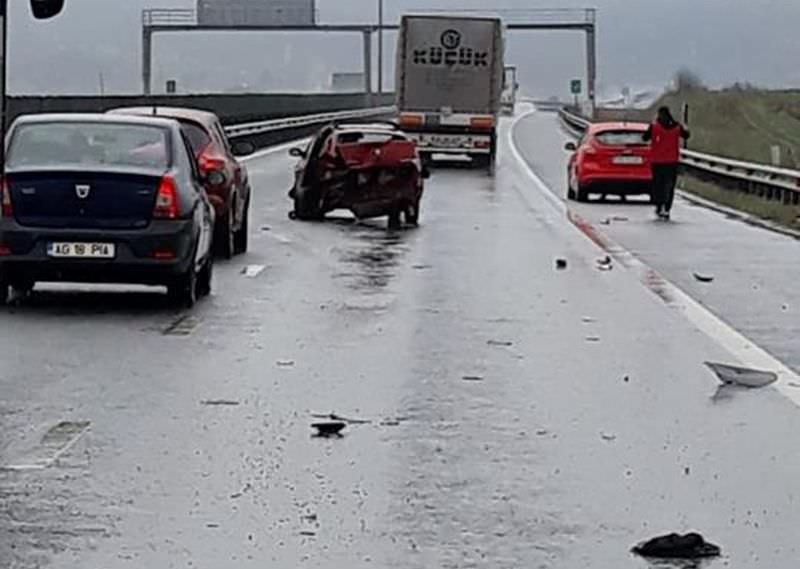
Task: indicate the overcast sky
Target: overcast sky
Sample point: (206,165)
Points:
(641,43)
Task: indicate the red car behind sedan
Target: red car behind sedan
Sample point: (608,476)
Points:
(610,158)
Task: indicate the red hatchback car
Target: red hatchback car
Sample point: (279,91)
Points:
(214,152)
(610,158)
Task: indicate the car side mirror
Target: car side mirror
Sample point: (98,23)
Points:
(243,148)
(570,146)
(297,152)
(43,9)
(214,178)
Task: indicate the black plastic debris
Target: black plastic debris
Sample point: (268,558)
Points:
(561,264)
(220,402)
(605,264)
(742,376)
(703,278)
(676,546)
(329,429)
(501,343)
(472,378)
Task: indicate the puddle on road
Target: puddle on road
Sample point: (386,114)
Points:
(373,261)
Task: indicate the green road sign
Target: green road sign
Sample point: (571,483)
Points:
(575,86)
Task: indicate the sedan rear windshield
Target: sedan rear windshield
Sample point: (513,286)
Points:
(87,145)
(621,138)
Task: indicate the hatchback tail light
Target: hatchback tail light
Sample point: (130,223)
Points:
(5,191)
(208,162)
(167,206)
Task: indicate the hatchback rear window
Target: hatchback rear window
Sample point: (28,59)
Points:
(199,139)
(86,145)
(367,137)
(621,138)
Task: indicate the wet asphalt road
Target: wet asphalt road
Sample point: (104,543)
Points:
(755,271)
(519,416)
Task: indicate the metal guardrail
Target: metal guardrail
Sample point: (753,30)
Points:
(289,123)
(762,180)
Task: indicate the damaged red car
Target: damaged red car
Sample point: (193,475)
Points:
(370,169)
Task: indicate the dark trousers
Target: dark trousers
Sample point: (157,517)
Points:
(665,177)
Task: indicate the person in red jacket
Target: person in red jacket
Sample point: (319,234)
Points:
(664,135)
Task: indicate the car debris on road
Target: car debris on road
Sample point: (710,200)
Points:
(676,546)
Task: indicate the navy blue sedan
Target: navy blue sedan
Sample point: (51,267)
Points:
(109,199)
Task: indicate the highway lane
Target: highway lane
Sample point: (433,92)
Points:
(519,415)
(755,271)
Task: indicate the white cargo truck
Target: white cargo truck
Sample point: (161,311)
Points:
(449,79)
(508,100)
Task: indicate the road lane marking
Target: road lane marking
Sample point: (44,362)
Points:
(739,346)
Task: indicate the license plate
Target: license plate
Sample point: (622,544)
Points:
(445,141)
(81,250)
(628,160)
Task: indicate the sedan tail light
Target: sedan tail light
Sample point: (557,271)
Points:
(8,207)
(167,206)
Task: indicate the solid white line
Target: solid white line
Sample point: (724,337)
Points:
(47,462)
(745,351)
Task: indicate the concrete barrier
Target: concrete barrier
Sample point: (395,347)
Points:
(232,109)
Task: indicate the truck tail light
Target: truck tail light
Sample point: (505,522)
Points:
(410,120)
(482,122)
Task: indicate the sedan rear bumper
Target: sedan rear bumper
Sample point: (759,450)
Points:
(151,256)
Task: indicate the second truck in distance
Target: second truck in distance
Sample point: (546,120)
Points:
(449,83)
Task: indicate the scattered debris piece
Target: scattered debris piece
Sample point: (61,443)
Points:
(542,432)
(472,377)
(626,379)
(308,533)
(182,326)
(285,363)
(212,525)
(329,429)
(687,470)
(310,517)
(608,437)
(605,264)
(252,271)
(592,338)
(561,264)
(421,267)
(605,221)
(588,320)
(619,218)
(389,423)
(266,228)
(744,377)
(503,343)
(675,546)
(703,278)
(212,402)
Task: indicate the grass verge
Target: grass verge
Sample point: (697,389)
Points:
(785,215)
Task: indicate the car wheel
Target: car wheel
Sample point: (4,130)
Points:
(5,292)
(241,237)
(582,194)
(205,277)
(412,213)
(223,236)
(570,187)
(183,290)
(305,206)
(394,220)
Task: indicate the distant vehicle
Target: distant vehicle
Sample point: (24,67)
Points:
(610,158)
(214,152)
(449,80)
(370,169)
(100,198)
(508,99)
